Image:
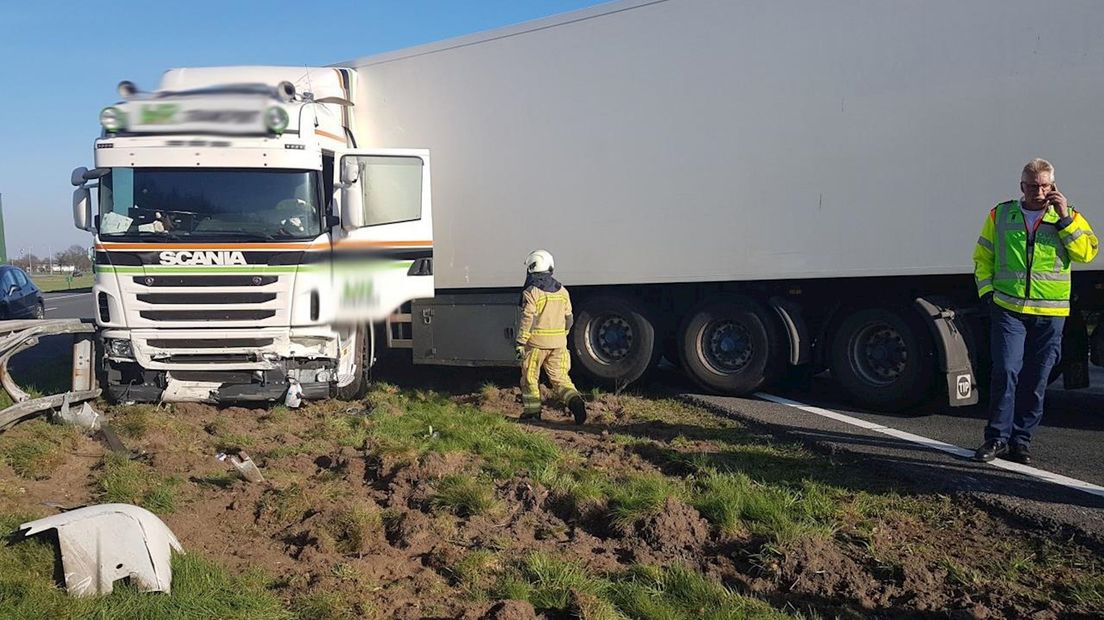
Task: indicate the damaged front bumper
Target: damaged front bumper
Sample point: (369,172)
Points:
(228,366)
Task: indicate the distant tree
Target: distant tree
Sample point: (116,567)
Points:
(74,255)
(26,262)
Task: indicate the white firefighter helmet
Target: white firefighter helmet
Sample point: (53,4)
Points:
(539,261)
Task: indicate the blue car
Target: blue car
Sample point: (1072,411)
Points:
(19,297)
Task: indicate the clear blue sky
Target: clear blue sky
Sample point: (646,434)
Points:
(60,62)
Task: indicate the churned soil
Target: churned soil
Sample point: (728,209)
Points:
(346,519)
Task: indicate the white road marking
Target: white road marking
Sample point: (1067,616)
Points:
(1041,474)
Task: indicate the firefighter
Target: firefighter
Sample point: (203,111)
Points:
(1022,268)
(542,339)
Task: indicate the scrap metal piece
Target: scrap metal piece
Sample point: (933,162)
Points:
(31,408)
(20,335)
(84,417)
(244,464)
(294,397)
(102,544)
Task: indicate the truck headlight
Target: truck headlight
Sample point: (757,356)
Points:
(276,119)
(113,119)
(119,347)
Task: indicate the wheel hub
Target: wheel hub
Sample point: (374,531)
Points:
(727,346)
(612,339)
(879,354)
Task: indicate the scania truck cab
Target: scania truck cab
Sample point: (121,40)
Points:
(244,243)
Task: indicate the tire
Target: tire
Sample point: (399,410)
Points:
(614,340)
(359,387)
(39,311)
(883,359)
(732,346)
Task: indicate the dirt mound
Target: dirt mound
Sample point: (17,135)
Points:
(411,484)
(676,530)
(817,567)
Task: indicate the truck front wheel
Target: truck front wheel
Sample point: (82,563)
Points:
(732,346)
(359,386)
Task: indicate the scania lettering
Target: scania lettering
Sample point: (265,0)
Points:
(185,257)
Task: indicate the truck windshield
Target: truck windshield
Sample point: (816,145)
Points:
(173,203)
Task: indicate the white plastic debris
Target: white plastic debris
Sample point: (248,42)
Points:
(84,417)
(244,464)
(294,396)
(102,544)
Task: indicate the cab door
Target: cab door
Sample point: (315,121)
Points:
(383,255)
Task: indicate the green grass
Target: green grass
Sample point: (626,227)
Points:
(430,423)
(37,448)
(583,490)
(739,505)
(639,497)
(135,421)
(1088,592)
(474,573)
(329,606)
(287,505)
(54,282)
(465,495)
(561,585)
(341,429)
(355,529)
(200,589)
(131,482)
(677,592)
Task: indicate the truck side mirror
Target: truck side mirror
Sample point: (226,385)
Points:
(352,208)
(350,170)
(77,178)
(82,208)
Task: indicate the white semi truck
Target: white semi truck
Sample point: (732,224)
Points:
(242,240)
(749,189)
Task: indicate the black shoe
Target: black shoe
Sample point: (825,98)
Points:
(577,406)
(991,449)
(532,416)
(1020,453)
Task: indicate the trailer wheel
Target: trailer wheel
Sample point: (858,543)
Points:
(614,340)
(882,359)
(732,346)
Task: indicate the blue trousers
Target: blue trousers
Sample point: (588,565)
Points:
(1024,349)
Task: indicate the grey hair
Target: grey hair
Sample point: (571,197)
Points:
(1035,166)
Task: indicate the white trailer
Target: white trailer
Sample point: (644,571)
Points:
(743,185)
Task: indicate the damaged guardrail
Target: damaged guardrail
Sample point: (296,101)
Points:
(20,335)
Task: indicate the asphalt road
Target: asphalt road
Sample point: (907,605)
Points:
(1067,442)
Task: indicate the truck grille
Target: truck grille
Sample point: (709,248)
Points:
(207,315)
(154,281)
(210,343)
(206,298)
(221,358)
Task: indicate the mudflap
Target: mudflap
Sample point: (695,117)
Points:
(953,351)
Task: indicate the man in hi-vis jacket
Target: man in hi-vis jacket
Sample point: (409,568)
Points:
(542,339)
(1022,268)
